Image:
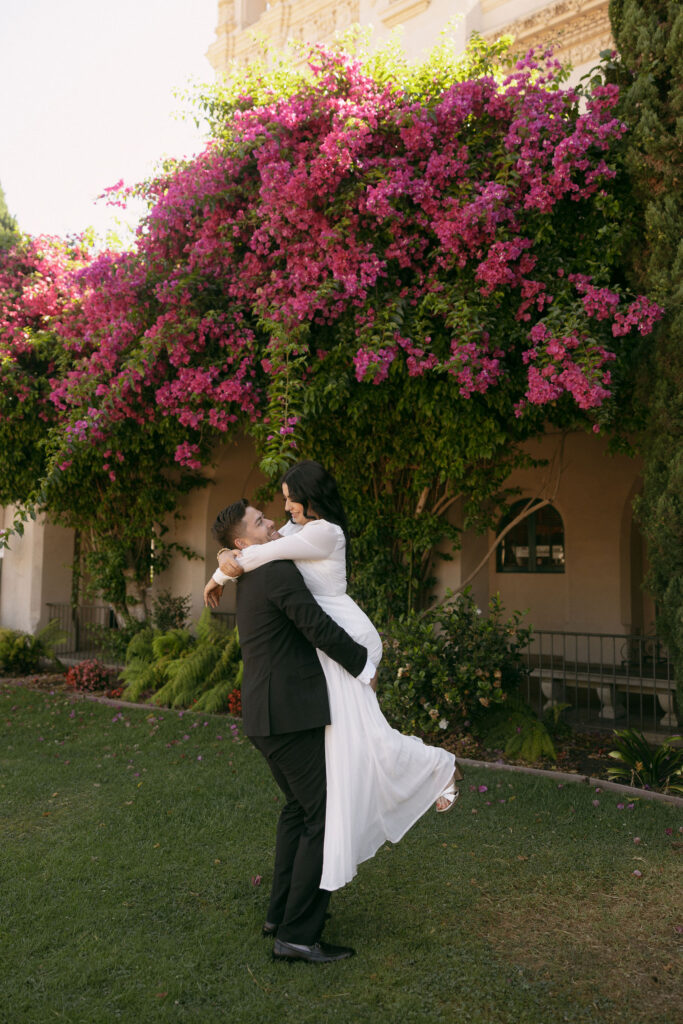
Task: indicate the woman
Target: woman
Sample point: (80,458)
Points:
(379,782)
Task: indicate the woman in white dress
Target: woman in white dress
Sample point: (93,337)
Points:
(379,782)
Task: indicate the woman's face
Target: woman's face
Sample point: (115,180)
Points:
(295,508)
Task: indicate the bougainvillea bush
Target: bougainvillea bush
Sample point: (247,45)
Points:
(403,273)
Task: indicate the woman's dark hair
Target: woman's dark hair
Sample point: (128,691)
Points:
(316,489)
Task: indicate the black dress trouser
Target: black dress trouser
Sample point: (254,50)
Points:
(297,903)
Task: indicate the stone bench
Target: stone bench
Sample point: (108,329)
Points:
(555,680)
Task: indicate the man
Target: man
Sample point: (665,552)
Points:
(284,711)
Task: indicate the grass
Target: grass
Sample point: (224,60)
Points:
(136,856)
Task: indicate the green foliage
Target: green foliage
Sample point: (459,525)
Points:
(557,727)
(514,729)
(114,642)
(169,612)
(406,455)
(9,230)
(205,678)
(642,764)
(148,658)
(649,70)
(21,653)
(443,669)
(185,671)
(531,742)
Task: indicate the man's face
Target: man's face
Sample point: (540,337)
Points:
(255,529)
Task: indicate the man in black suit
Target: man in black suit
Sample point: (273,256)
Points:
(285,710)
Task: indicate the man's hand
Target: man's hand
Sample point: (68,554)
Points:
(228,565)
(373,682)
(212,594)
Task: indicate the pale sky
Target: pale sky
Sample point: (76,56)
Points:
(86,98)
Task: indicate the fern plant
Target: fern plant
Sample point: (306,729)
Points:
(205,676)
(517,731)
(182,671)
(642,764)
(148,657)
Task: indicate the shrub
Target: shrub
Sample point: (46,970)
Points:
(446,667)
(169,612)
(90,675)
(114,642)
(21,653)
(235,702)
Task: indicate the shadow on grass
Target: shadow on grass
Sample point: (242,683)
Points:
(133,844)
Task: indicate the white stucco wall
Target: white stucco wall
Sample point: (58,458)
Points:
(599,591)
(36,570)
(235,475)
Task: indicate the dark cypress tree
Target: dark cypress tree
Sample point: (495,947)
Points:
(9,231)
(649,38)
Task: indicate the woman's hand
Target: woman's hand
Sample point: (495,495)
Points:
(227,563)
(212,594)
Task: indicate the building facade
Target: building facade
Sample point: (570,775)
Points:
(576,29)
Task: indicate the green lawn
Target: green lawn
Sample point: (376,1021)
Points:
(133,845)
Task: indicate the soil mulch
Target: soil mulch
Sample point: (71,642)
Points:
(580,753)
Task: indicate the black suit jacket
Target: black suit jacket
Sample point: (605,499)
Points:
(280,625)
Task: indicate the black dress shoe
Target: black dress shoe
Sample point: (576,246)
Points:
(318,953)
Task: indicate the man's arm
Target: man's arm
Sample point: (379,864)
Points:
(288,592)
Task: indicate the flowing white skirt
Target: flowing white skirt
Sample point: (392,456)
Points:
(379,782)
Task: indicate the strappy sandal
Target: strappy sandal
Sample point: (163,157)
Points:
(451,792)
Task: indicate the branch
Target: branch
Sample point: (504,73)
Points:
(518,519)
(527,510)
(422,501)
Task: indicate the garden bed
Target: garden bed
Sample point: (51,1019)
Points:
(581,753)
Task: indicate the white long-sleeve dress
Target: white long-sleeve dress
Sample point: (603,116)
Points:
(379,782)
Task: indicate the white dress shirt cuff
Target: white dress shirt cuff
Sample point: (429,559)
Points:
(368,672)
(220,578)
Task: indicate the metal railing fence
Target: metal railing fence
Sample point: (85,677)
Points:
(606,679)
(83,625)
(86,626)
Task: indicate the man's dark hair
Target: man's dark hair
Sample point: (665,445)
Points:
(228,523)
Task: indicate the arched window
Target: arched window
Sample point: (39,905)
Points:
(535,544)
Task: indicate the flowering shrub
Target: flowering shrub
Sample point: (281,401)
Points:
(443,669)
(235,702)
(90,675)
(415,269)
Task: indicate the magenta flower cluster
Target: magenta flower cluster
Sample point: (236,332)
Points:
(408,230)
